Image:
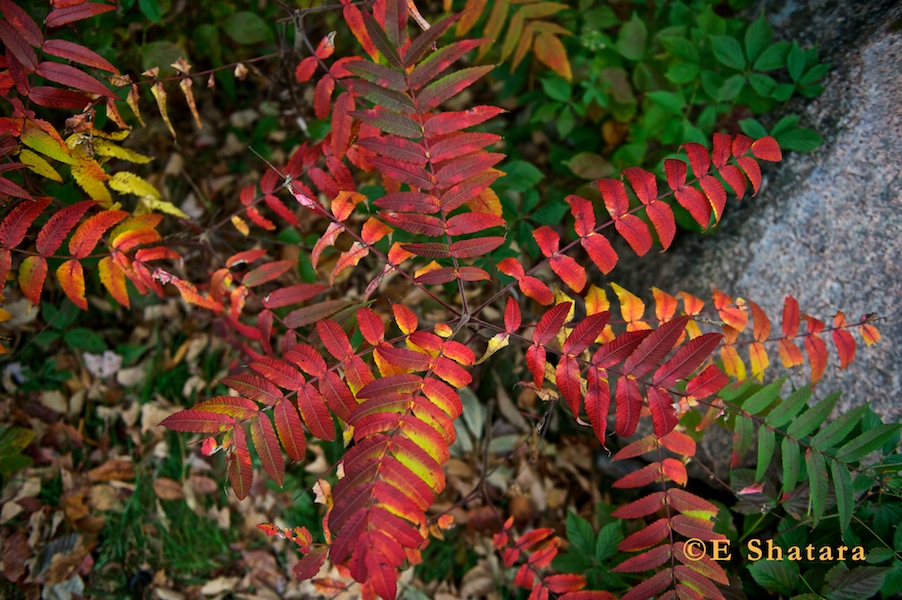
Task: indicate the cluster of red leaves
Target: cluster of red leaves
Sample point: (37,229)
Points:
(539,547)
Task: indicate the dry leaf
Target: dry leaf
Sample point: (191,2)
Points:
(113,469)
(168,489)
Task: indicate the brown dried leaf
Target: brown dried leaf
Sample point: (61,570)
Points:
(168,489)
(15,553)
(115,469)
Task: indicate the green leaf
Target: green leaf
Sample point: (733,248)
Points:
(787,123)
(680,73)
(246,28)
(680,47)
(792,464)
(551,213)
(743,430)
(669,101)
(557,88)
(892,585)
(755,130)
(609,539)
(757,38)
(802,139)
(817,483)
(776,576)
(87,340)
(151,10)
(762,84)
(860,582)
(795,62)
(519,176)
(813,418)
(879,555)
(866,443)
(763,397)
(711,83)
(571,562)
(728,51)
(580,533)
(773,57)
(16,439)
(766,444)
(815,73)
(836,431)
(631,40)
(731,88)
(789,408)
(589,165)
(601,17)
(566,121)
(845,499)
(161,54)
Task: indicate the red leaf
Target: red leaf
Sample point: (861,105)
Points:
(569,382)
(473,222)
(661,216)
(752,171)
(310,564)
(615,199)
(428,249)
(619,348)
(717,196)
(197,421)
(405,318)
(267,446)
(59,225)
(334,339)
(583,214)
(843,340)
(455,145)
(650,587)
(655,347)
(734,178)
(342,121)
(17,221)
(684,501)
(585,333)
(598,402)
(550,323)
(254,387)
(467,273)
(565,582)
(695,202)
(647,537)
(600,251)
(686,360)
(267,272)
(71,77)
(643,507)
(761,329)
(674,470)
(512,317)
(404,358)
(449,122)
(817,355)
(32,273)
(414,223)
(476,247)
(71,14)
(85,238)
(791,317)
(628,399)
(54,97)
(698,158)
(643,183)
(536,289)
(535,362)
(449,86)
(293,294)
(767,149)
(77,53)
(313,313)
(711,380)
(71,276)
(721,150)
(645,562)
(413,175)
(662,412)
(312,407)
(241,474)
(635,232)
(22,22)
(278,372)
(410,202)
(291,432)
(17,46)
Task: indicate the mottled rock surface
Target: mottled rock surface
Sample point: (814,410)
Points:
(827,226)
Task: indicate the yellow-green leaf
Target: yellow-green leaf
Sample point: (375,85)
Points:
(39,165)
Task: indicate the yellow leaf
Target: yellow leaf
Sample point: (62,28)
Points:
(4,315)
(129,183)
(107,148)
(240,225)
(497,342)
(486,202)
(159,93)
(85,175)
(41,141)
(39,165)
(155,204)
(186,84)
(596,300)
(116,136)
(132,101)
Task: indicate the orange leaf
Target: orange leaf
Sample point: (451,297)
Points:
(549,49)
(71,276)
(113,279)
(32,273)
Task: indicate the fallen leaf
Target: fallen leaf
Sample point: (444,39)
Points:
(168,489)
(113,469)
(15,553)
(219,585)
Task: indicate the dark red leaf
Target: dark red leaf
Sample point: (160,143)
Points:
(652,350)
(550,323)
(78,53)
(71,14)
(629,402)
(686,360)
(69,76)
